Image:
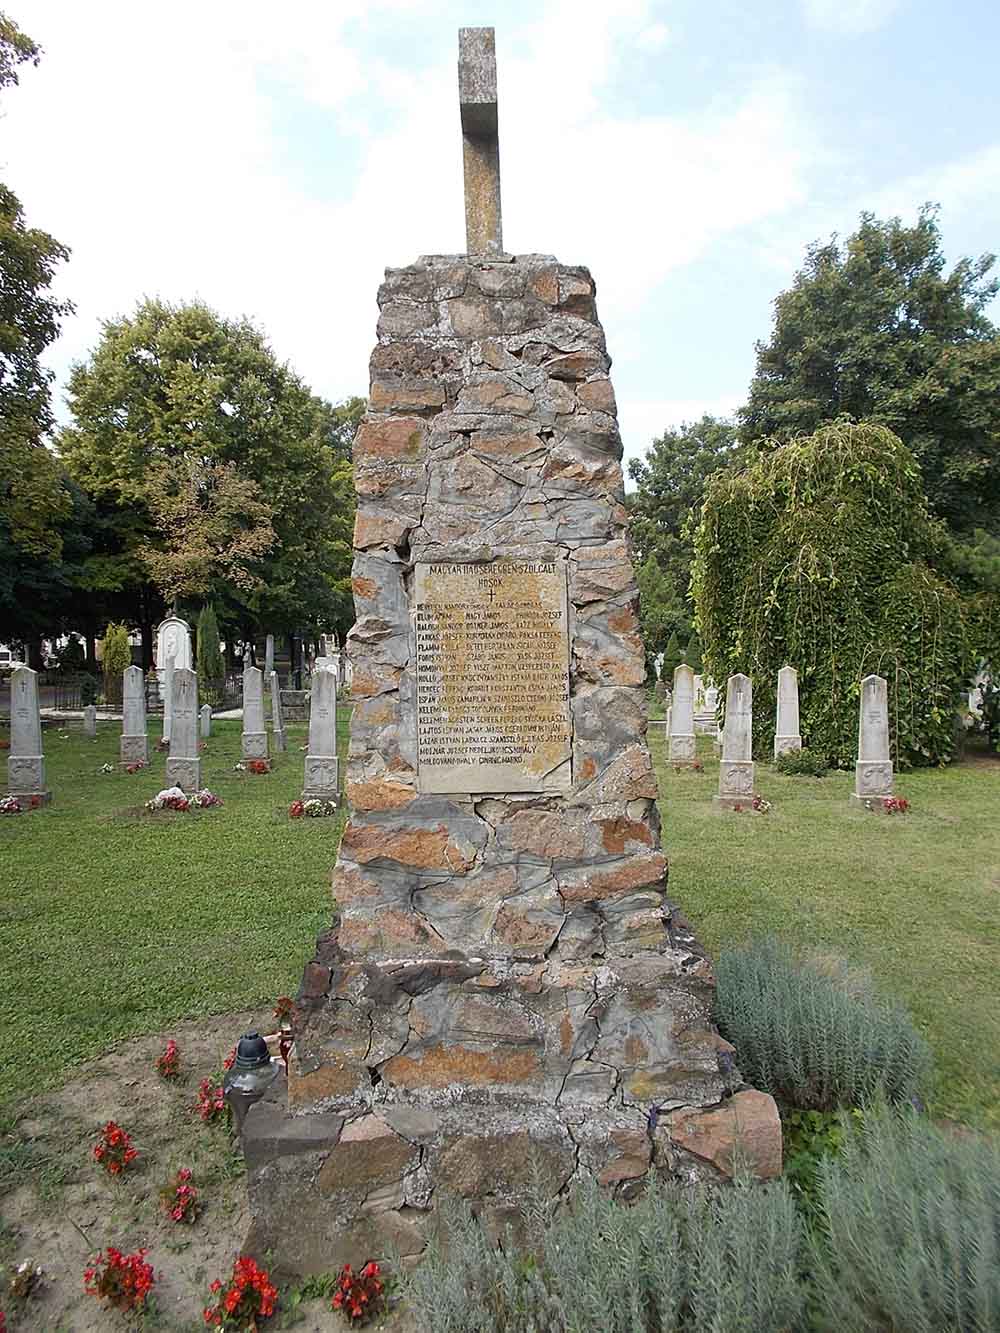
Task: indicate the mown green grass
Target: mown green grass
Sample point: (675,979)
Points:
(115,923)
(915,898)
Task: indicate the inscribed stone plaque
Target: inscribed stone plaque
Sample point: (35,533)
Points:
(492,651)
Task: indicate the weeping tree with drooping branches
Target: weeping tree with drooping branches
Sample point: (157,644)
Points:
(821,554)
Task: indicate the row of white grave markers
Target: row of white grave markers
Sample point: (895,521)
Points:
(873,771)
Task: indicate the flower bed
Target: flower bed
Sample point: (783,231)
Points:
(173,798)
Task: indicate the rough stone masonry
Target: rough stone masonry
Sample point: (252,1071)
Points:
(505,992)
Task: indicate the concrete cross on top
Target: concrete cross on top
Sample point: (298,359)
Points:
(477,96)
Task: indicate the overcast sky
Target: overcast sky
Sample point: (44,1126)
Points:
(273,159)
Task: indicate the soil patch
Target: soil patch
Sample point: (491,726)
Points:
(59,1208)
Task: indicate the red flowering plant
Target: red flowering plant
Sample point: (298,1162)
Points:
(211,1103)
(168,1062)
(114,1149)
(297,809)
(180,1198)
(359,1296)
(249,1297)
(895,805)
(123,1280)
(136,767)
(258,766)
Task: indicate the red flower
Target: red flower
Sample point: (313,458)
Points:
(168,1064)
(248,1297)
(295,809)
(359,1295)
(123,1280)
(211,1103)
(114,1149)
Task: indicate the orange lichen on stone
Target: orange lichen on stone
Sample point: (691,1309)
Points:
(427,849)
(623,877)
(615,833)
(378,795)
(389,437)
(440,1066)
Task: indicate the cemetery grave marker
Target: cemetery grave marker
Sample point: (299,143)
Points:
(134,743)
(26,762)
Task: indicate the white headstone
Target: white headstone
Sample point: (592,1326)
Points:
(786,731)
(682,742)
(134,744)
(183,764)
(736,764)
(277,720)
(254,745)
(321,775)
(25,763)
(206,721)
(873,771)
(167,694)
(711,699)
(173,639)
(90,720)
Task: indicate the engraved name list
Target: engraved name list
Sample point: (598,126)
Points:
(492,652)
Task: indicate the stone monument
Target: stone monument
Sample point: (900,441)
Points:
(254,741)
(786,731)
(736,765)
(183,764)
(173,639)
(321,772)
(682,742)
(277,722)
(505,991)
(26,763)
(206,721)
(269,656)
(90,721)
(134,743)
(873,771)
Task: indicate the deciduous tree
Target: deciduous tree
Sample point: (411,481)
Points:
(876,329)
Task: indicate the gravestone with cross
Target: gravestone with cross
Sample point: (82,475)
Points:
(183,763)
(505,991)
(25,762)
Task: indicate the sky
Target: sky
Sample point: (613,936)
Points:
(273,160)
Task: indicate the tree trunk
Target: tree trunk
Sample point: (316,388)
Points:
(33,652)
(146,631)
(90,639)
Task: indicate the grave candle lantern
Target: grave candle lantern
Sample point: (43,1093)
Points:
(252,1073)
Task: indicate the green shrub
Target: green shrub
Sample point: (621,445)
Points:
(816,1036)
(821,551)
(677,1260)
(802,763)
(909,1235)
(116,655)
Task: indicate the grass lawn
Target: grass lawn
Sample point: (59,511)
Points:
(116,924)
(915,898)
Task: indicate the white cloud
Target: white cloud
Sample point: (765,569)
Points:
(849,18)
(150,142)
(653,38)
(644,421)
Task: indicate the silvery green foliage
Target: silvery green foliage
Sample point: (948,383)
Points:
(744,1258)
(618,1269)
(910,1230)
(816,1037)
(676,1261)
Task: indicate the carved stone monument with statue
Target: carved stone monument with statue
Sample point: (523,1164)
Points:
(505,990)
